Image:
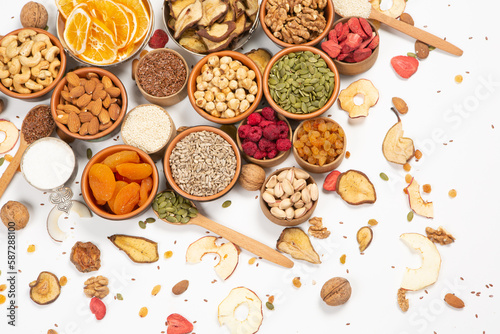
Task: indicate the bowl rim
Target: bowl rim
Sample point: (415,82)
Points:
(61,23)
(60,74)
(54,101)
(329,16)
(280,154)
(141,60)
(183,134)
(331,66)
(99,157)
(245,60)
(311,166)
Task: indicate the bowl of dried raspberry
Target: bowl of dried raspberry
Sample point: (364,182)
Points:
(353,44)
(265,138)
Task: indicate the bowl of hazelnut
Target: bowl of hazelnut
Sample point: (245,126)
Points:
(225,87)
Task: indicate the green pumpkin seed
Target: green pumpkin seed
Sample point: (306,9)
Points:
(119,296)
(185,220)
(273,81)
(409,216)
(384,177)
(89,153)
(226,204)
(142,224)
(172,219)
(150,220)
(163,215)
(270,306)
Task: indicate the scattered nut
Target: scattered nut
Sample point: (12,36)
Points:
(317,229)
(180,287)
(454,301)
(336,291)
(14,213)
(96,287)
(252,177)
(400,105)
(403,302)
(34,15)
(440,236)
(406,18)
(2,105)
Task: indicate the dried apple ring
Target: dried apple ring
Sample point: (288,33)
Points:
(228,306)
(362,87)
(397,8)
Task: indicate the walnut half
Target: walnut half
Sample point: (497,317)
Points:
(440,236)
(96,287)
(317,229)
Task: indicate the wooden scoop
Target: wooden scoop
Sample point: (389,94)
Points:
(239,239)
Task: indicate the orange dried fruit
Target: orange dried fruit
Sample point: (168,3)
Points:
(102,182)
(142,17)
(134,171)
(77,29)
(2,299)
(3,287)
(114,18)
(119,186)
(146,186)
(127,198)
(101,48)
(66,6)
(120,158)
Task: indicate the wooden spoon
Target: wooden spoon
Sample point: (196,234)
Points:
(8,174)
(239,239)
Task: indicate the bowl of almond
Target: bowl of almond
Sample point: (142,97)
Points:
(89,104)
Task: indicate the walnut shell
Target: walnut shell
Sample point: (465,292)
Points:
(336,291)
(34,15)
(252,177)
(15,212)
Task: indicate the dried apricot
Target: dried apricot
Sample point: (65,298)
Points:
(120,158)
(127,198)
(119,186)
(146,186)
(102,182)
(134,171)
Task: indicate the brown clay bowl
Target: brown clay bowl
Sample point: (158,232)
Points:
(361,67)
(164,100)
(278,56)
(62,68)
(312,168)
(265,163)
(197,71)
(168,171)
(284,222)
(87,192)
(329,14)
(82,72)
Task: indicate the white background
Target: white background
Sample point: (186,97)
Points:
(440,111)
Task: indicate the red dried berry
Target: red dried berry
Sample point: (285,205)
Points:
(249,147)
(260,155)
(338,30)
(374,43)
(345,31)
(332,36)
(331,181)
(265,123)
(255,134)
(283,129)
(244,130)
(283,144)
(356,28)
(405,66)
(361,54)
(366,42)
(98,308)
(342,56)
(268,113)
(254,119)
(353,41)
(272,154)
(266,145)
(271,132)
(367,28)
(158,40)
(177,324)
(331,47)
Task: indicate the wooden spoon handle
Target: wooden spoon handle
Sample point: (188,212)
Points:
(416,33)
(9,173)
(243,241)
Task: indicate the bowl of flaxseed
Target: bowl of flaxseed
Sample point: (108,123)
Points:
(202,163)
(162,76)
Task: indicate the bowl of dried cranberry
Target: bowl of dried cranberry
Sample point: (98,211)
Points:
(162,76)
(353,44)
(265,138)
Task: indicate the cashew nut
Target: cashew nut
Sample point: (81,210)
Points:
(38,46)
(24,34)
(12,50)
(45,74)
(9,39)
(31,61)
(20,88)
(24,77)
(51,53)
(53,68)
(15,66)
(43,65)
(43,38)
(45,81)
(25,49)
(3,56)
(30,84)
(7,82)
(4,71)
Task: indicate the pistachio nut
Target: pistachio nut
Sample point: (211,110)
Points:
(300,212)
(313,191)
(299,184)
(287,187)
(295,197)
(301,174)
(299,204)
(272,182)
(285,204)
(282,175)
(278,213)
(290,213)
(268,198)
(306,196)
(278,190)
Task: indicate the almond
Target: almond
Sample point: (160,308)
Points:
(421,49)
(91,75)
(94,126)
(180,287)
(90,86)
(74,122)
(106,102)
(400,105)
(84,129)
(114,111)
(73,79)
(85,116)
(103,127)
(76,92)
(113,91)
(68,108)
(406,18)
(63,119)
(106,81)
(65,95)
(83,81)
(83,100)
(104,116)
(95,107)
(453,301)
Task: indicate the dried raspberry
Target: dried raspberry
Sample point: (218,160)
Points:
(254,119)
(283,144)
(265,123)
(249,147)
(244,130)
(266,145)
(405,66)
(331,47)
(158,40)
(283,129)
(268,113)
(273,153)
(260,155)
(271,132)
(255,134)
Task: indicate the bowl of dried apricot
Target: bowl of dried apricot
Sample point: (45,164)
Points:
(119,182)
(319,145)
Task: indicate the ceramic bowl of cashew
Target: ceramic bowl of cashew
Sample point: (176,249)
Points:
(32,62)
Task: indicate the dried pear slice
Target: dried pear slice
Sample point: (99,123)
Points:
(188,18)
(46,289)
(217,32)
(252,7)
(261,57)
(395,147)
(212,11)
(191,41)
(177,6)
(296,242)
(217,46)
(230,15)
(171,23)
(239,8)
(364,237)
(355,188)
(138,249)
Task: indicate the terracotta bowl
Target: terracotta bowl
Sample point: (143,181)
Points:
(316,168)
(197,71)
(361,67)
(82,72)
(164,100)
(265,162)
(87,192)
(284,222)
(278,56)
(62,68)
(329,14)
(159,153)
(168,171)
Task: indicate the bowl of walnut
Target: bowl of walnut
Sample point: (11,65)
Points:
(288,23)
(225,87)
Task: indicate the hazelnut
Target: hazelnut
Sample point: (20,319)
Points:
(336,291)
(34,15)
(15,212)
(252,177)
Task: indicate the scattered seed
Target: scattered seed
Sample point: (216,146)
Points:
(226,204)
(119,296)
(384,177)
(452,193)
(296,282)
(372,222)
(155,290)
(63,280)
(270,306)
(432,48)
(150,220)
(142,224)
(143,312)
(168,254)
(411,54)
(31,248)
(409,217)
(89,153)
(342,259)
(2,160)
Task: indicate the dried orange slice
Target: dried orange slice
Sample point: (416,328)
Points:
(66,6)
(114,17)
(125,52)
(76,30)
(101,49)
(133,23)
(142,16)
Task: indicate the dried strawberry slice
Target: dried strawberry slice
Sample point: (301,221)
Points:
(361,54)
(98,308)
(367,28)
(405,66)
(343,35)
(177,324)
(353,41)
(374,43)
(342,56)
(355,27)
(367,42)
(331,181)
(331,47)
(332,36)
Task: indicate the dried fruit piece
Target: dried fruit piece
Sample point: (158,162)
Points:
(296,282)
(330,183)
(121,157)
(372,222)
(417,204)
(418,154)
(119,186)
(134,171)
(361,87)
(355,188)
(459,78)
(158,40)
(180,287)
(138,249)
(295,242)
(400,105)
(427,188)
(364,237)
(397,8)
(405,66)
(395,147)
(46,289)
(145,190)
(156,290)
(454,301)
(403,302)
(342,258)
(31,248)
(226,312)
(143,312)
(102,182)
(127,198)
(177,324)
(261,57)
(98,308)
(452,193)
(85,256)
